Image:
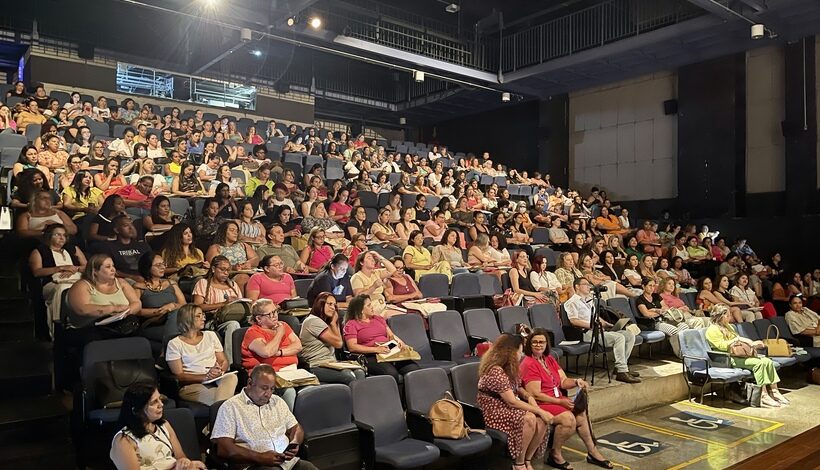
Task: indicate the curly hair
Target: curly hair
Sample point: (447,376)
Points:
(503,354)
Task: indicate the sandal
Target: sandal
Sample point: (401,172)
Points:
(565,465)
(599,463)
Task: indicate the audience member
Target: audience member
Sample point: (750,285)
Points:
(321,336)
(255,428)
(125,249)
(196,356)
(146,440)
(509,407)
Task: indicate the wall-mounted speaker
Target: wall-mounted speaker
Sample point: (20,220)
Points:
(670,107)
(86,51)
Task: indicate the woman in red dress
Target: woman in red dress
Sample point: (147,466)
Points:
(507,407)
(543,378)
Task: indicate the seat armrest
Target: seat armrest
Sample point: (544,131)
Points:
(476,340)
(442,350)
(367,442)
(169,385)
(719,359)
(473,416)
(420,427)
(573,333)
(214,461)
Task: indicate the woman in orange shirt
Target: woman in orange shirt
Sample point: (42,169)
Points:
(610,224)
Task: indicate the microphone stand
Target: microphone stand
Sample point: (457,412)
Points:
(598,343)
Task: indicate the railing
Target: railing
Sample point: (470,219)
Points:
(591,27)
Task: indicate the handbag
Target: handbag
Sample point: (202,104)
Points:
(507,299)
(581,402)
(5,218)
(235,311)
(673,315)
(753,394)
(778,347)
(114,377)
(741,349)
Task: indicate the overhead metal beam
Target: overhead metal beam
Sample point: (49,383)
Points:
(717,9)
(423,61)
(625,45)
(216,59)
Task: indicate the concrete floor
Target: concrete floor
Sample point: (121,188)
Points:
(689,435)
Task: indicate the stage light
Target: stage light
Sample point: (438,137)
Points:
(291,21)
(505,97)
(210,3)
(418,76)
(256,52)
(315,22)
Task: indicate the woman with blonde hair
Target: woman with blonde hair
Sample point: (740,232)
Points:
(742,351)
(196,356)
(507,406)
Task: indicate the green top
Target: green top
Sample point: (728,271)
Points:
(720,338)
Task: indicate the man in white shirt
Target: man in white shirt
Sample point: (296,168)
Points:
(256,429)
(579,312)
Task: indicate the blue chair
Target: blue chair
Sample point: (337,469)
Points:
(702,366)
(649,337)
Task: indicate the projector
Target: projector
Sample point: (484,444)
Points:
(451,8)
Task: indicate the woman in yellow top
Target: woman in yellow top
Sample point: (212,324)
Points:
(179,252)
(372,269)
(82,197)
(721,337)
(696,251)
(419,258)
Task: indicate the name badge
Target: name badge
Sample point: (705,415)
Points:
(556,392)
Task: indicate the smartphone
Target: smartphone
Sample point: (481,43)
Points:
(291,447)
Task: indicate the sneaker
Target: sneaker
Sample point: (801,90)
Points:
(780,398)
(768,402)
(625,377)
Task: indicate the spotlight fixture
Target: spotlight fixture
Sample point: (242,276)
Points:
(315,22)
(505,97)
(291,21)
(402,121)
(418,76)
(256,52)
(210,3)
(758,31)
(452,8)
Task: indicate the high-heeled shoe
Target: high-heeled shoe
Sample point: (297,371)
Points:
(599,463)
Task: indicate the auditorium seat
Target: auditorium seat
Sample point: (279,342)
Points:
(410,328)
(384,437)
(447,328)
(649,337)
(480,324)
(182,420)
(545,316)
(422,388)
(702,366)
(466,286)
(324,412)
(509,317)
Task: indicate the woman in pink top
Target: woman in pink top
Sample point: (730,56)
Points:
(272,283)
(339,209)
(316,254)
(364,331)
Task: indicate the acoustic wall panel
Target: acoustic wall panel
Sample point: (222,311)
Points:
(765,110)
